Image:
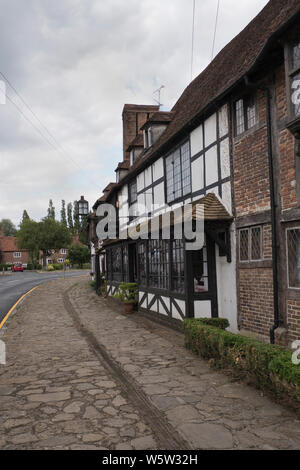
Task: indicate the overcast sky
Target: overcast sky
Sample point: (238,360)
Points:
(75,63)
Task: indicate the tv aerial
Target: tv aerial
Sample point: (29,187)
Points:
(158,91)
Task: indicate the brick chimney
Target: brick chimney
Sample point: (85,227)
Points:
(134,117)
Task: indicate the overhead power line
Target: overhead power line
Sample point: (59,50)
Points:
(193,32)
(56,145)
(215,32)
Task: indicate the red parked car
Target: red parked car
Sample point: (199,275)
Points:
(17,267)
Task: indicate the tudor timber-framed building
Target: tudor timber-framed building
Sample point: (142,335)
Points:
(232,143)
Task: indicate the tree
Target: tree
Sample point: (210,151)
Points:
(8,228)
(43,236)
(28,238)
(76,217)
(51,210)
(79,254)
(53,235)
(70,216)
(25,216)
(63,216)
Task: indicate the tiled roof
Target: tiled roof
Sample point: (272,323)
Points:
(9,244)
(160,117)
(234,61)
(123,165)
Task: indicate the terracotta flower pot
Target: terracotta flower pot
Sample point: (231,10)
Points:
(128,308)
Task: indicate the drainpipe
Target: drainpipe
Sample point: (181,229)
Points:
(273,208)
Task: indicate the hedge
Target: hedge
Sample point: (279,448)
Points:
(270,367)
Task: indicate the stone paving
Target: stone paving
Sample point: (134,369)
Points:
(58,391)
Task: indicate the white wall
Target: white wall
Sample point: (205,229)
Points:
(226,283)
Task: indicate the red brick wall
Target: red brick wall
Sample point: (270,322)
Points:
(256,300)
(293,320)
(8,257)
(251,168)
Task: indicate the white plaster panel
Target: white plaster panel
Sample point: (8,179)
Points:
(162,309)
(181,304)
(148,176)
(141,199)
(211,166)
(159,194)
(175,313)
(202,308)
(196,137)
(150,297)
(158,169)
(148,200)
(223,121)
(154,307)
(226,196)
(197,174)
(210,127)
(140,184)
(167,302)
(225,160)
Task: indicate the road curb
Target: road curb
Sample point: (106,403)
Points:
(14,306)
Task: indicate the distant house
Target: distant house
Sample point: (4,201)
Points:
(10,253)
(58,256)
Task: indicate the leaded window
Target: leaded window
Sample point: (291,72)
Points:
(142,263)
(293,255)
(178,173)
(125,263)
(245,114)
(108,265)
(250,244)
(158,259)
(177,266)
(117,264)
(132,189)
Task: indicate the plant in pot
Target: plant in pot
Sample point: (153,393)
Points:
(128,292)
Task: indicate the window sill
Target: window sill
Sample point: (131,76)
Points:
(264,263)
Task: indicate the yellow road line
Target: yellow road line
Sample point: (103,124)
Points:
(14,306)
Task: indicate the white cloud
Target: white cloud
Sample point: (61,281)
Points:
(76,63)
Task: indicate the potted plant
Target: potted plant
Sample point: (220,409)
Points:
(128,292)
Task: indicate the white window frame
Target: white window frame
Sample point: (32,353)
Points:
(17,254)
(63,251)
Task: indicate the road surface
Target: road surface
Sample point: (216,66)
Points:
(14,285)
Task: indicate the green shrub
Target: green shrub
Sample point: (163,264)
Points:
(128,292)
(29,266)
(58,266)
(270,367)
(222,323)
(5,267)
(92,284)
(50,267)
